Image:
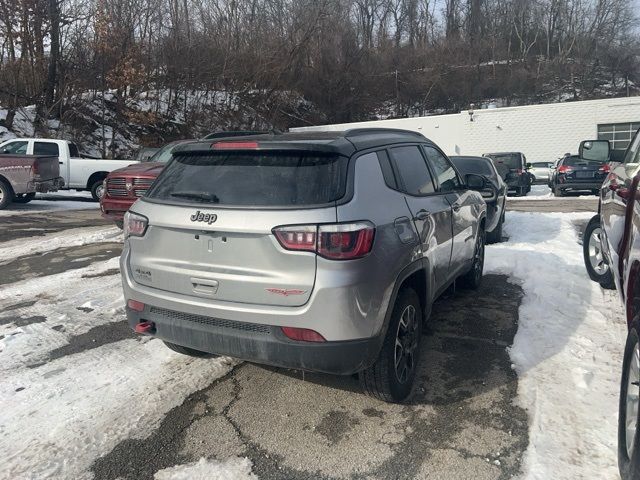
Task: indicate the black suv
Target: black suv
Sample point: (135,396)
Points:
(579,174)
(512,167)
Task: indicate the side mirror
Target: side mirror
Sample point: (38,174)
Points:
(475,182)
(598,150)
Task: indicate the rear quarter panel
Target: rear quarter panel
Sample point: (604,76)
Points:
(17,171)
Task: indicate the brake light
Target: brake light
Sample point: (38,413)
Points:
(565,169)
(234,145)
(302,334)
(606,168)
(35,168)
(340,241)
(519,171)
(134,225)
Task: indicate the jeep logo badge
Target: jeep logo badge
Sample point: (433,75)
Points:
(204,217)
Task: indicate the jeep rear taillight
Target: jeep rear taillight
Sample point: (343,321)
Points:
(340,241)
(565,169)
(35,169)
(134,225)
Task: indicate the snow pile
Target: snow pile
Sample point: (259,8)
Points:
(68,238)
(567,351)
(230,469)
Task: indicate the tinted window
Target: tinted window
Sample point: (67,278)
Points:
(575,160)
(16,148)
(477,165)
(252,178)
(512,161)
(540,165)
(73,150)
(443,170)
(387,170)
(413,170)
(45,148)
(163,155)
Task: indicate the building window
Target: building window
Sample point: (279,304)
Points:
(619,134)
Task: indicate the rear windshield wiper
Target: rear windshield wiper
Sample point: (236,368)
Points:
(202,196)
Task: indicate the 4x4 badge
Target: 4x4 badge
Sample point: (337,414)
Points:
(204,217)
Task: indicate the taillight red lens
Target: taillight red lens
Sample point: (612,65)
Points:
(345,241)
(519,171)
(606,168)
(565,169)
(234,145)
(297,237)
(134,225)
(340,241)
(302,334)
(35,168)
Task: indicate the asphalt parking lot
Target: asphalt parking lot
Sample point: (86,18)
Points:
(461,422)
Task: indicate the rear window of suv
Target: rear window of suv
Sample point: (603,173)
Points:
(252,178)
(511,160)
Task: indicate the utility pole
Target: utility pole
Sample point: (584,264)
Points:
(397,95)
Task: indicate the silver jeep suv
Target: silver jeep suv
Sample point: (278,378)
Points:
(318,251)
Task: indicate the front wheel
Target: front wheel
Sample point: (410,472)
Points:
(392,376)
(594,259)
(24,197)
(495,236)
(628,441)
(97,190)
(473,278)
(558,192)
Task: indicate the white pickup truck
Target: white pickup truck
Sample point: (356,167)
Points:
(79,173)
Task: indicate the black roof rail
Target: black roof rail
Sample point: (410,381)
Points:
(352,132)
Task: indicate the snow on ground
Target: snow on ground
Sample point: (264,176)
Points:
(60,200)
(567,351)
(58,417)
(67,238)
(232,468)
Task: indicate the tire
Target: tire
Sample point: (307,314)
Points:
(473,278)
(6,194)
(120,224)
(187,351)
(97,190)
(629,443)
(382,379)
(594,259)
(558,192)
(496,235)
(24,197)
(522,191)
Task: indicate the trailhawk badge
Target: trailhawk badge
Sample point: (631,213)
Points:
(204,217)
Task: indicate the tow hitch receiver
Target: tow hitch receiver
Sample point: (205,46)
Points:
(146,328)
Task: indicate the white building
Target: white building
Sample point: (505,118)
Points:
(542,132)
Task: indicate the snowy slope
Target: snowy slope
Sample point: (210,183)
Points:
(567,351)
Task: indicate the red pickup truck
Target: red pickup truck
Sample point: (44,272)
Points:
(21,176)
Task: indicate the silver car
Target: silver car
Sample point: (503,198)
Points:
(319,251)
(539,172)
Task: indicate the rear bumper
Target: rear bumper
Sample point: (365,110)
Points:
(578,185)
(257,343)
(44,186)
(114,209)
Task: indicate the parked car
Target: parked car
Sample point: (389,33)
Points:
(553,169)
(495,196)
(576,174)
(77,171)
(321,251)
(124,186)
(539,172)
(21,176)
(611,245)
(512,167)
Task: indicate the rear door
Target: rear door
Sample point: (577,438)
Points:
(431,211)
(211,220)
(463,205)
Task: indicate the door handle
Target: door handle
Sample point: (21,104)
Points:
(61,163)
(456,207)
(422,215)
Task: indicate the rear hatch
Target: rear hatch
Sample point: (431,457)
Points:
(211,216)
(509,165)
(46,168)
(578,170)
